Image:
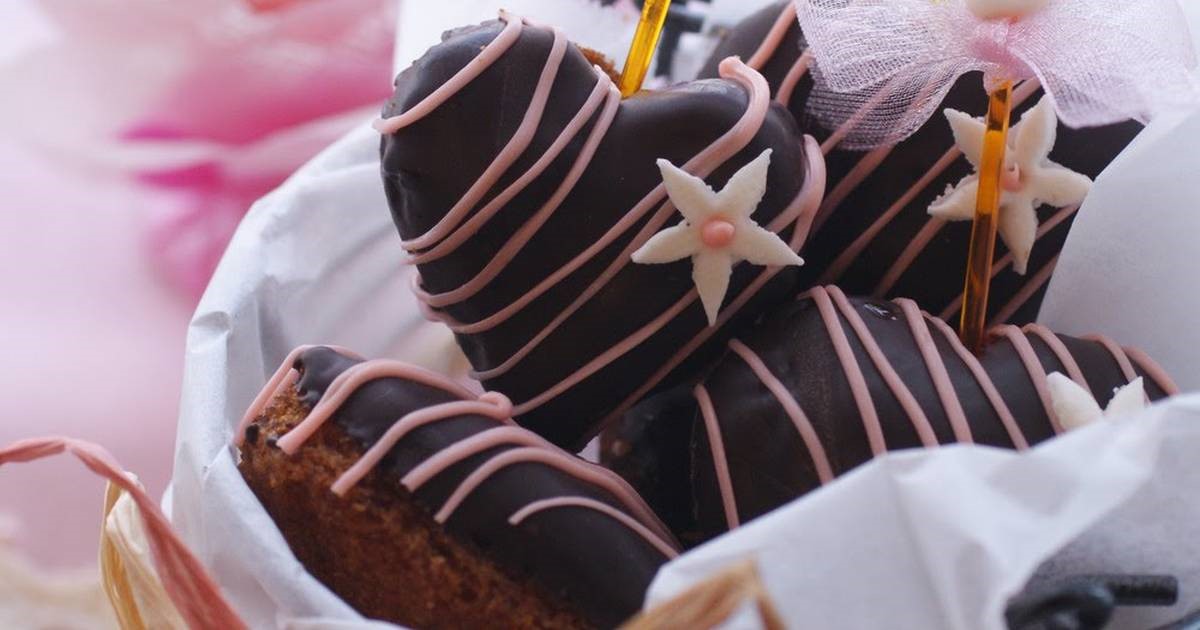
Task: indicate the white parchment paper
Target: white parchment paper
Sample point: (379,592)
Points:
(931,540)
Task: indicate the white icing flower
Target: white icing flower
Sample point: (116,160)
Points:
(717,230)
(1030,178)
(1075,406)
(993,9)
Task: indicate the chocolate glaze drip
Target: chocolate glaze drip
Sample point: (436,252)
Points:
(430,164)
(913,255)
(782,443)
(594,561)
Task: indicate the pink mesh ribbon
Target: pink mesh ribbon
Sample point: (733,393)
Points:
(884,66)
(187,583)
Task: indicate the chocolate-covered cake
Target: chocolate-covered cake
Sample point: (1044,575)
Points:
(874,234)
(422,504)
(522,184)
(829,382)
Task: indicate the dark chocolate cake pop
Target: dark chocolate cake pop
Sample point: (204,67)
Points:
(443,513)
(873,234)
(522,184)
(829,382)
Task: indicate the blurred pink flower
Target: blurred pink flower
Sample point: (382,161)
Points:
(212,102)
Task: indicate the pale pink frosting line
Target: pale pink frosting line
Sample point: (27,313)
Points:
(1118,355)
(1153,370)
(770,44)
(851,253)
(517,144)
(1020,95)
(184,578)
(584,502)
(556,459)
(1060,351)
(469,72)
(904,396)
(701,165)
(1005,261)
(716,445)
(1033,366)
(910,253)
(812,442)
(468,229)
(854,376)
(1036,282)
(285,376)
(490,405)
(526,232)
(806,203)
(857,175)
(348,382)
(473,445)
(985,383)
(937,371)
(789,83)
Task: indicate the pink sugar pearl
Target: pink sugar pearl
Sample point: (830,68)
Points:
(717,233)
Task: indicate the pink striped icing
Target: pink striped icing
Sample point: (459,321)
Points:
(854,376)
(1060,352)
(1020,298)
(1118,355)
(812,442)
(716,444)
(604,88)
(770,44)
(285,376)
(937,371)
(985,383)
(907,401)
(531,448)
(1033,366)
(490,404)
(788,86)
(1153,370)
(348,382)
(560,502)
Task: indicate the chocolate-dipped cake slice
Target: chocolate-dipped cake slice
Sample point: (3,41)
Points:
(874,234)
(422,504)
(522,184)
(829,382)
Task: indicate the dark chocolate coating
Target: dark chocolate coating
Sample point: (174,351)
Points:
(768,462)
(593,562)
(429,165)
(935,278)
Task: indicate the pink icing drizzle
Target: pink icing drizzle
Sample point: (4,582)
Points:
(1153,370)
(1060,352)
(770,44)
(789,83)
(1036,282)
(1117,353)
(1033,366)
(937,371)
(348,382)
(854,376)
(285,376)
(603,508)
(804,427)
(716,444)
(469,72)
(490,404)
(907,401)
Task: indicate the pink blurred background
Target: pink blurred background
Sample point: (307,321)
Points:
(136,133)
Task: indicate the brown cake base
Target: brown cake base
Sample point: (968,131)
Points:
(376,548)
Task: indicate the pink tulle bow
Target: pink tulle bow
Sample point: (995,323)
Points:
(884,66)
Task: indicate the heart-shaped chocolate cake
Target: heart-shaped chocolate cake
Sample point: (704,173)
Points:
(522,185)
(874,234)
(828,382)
